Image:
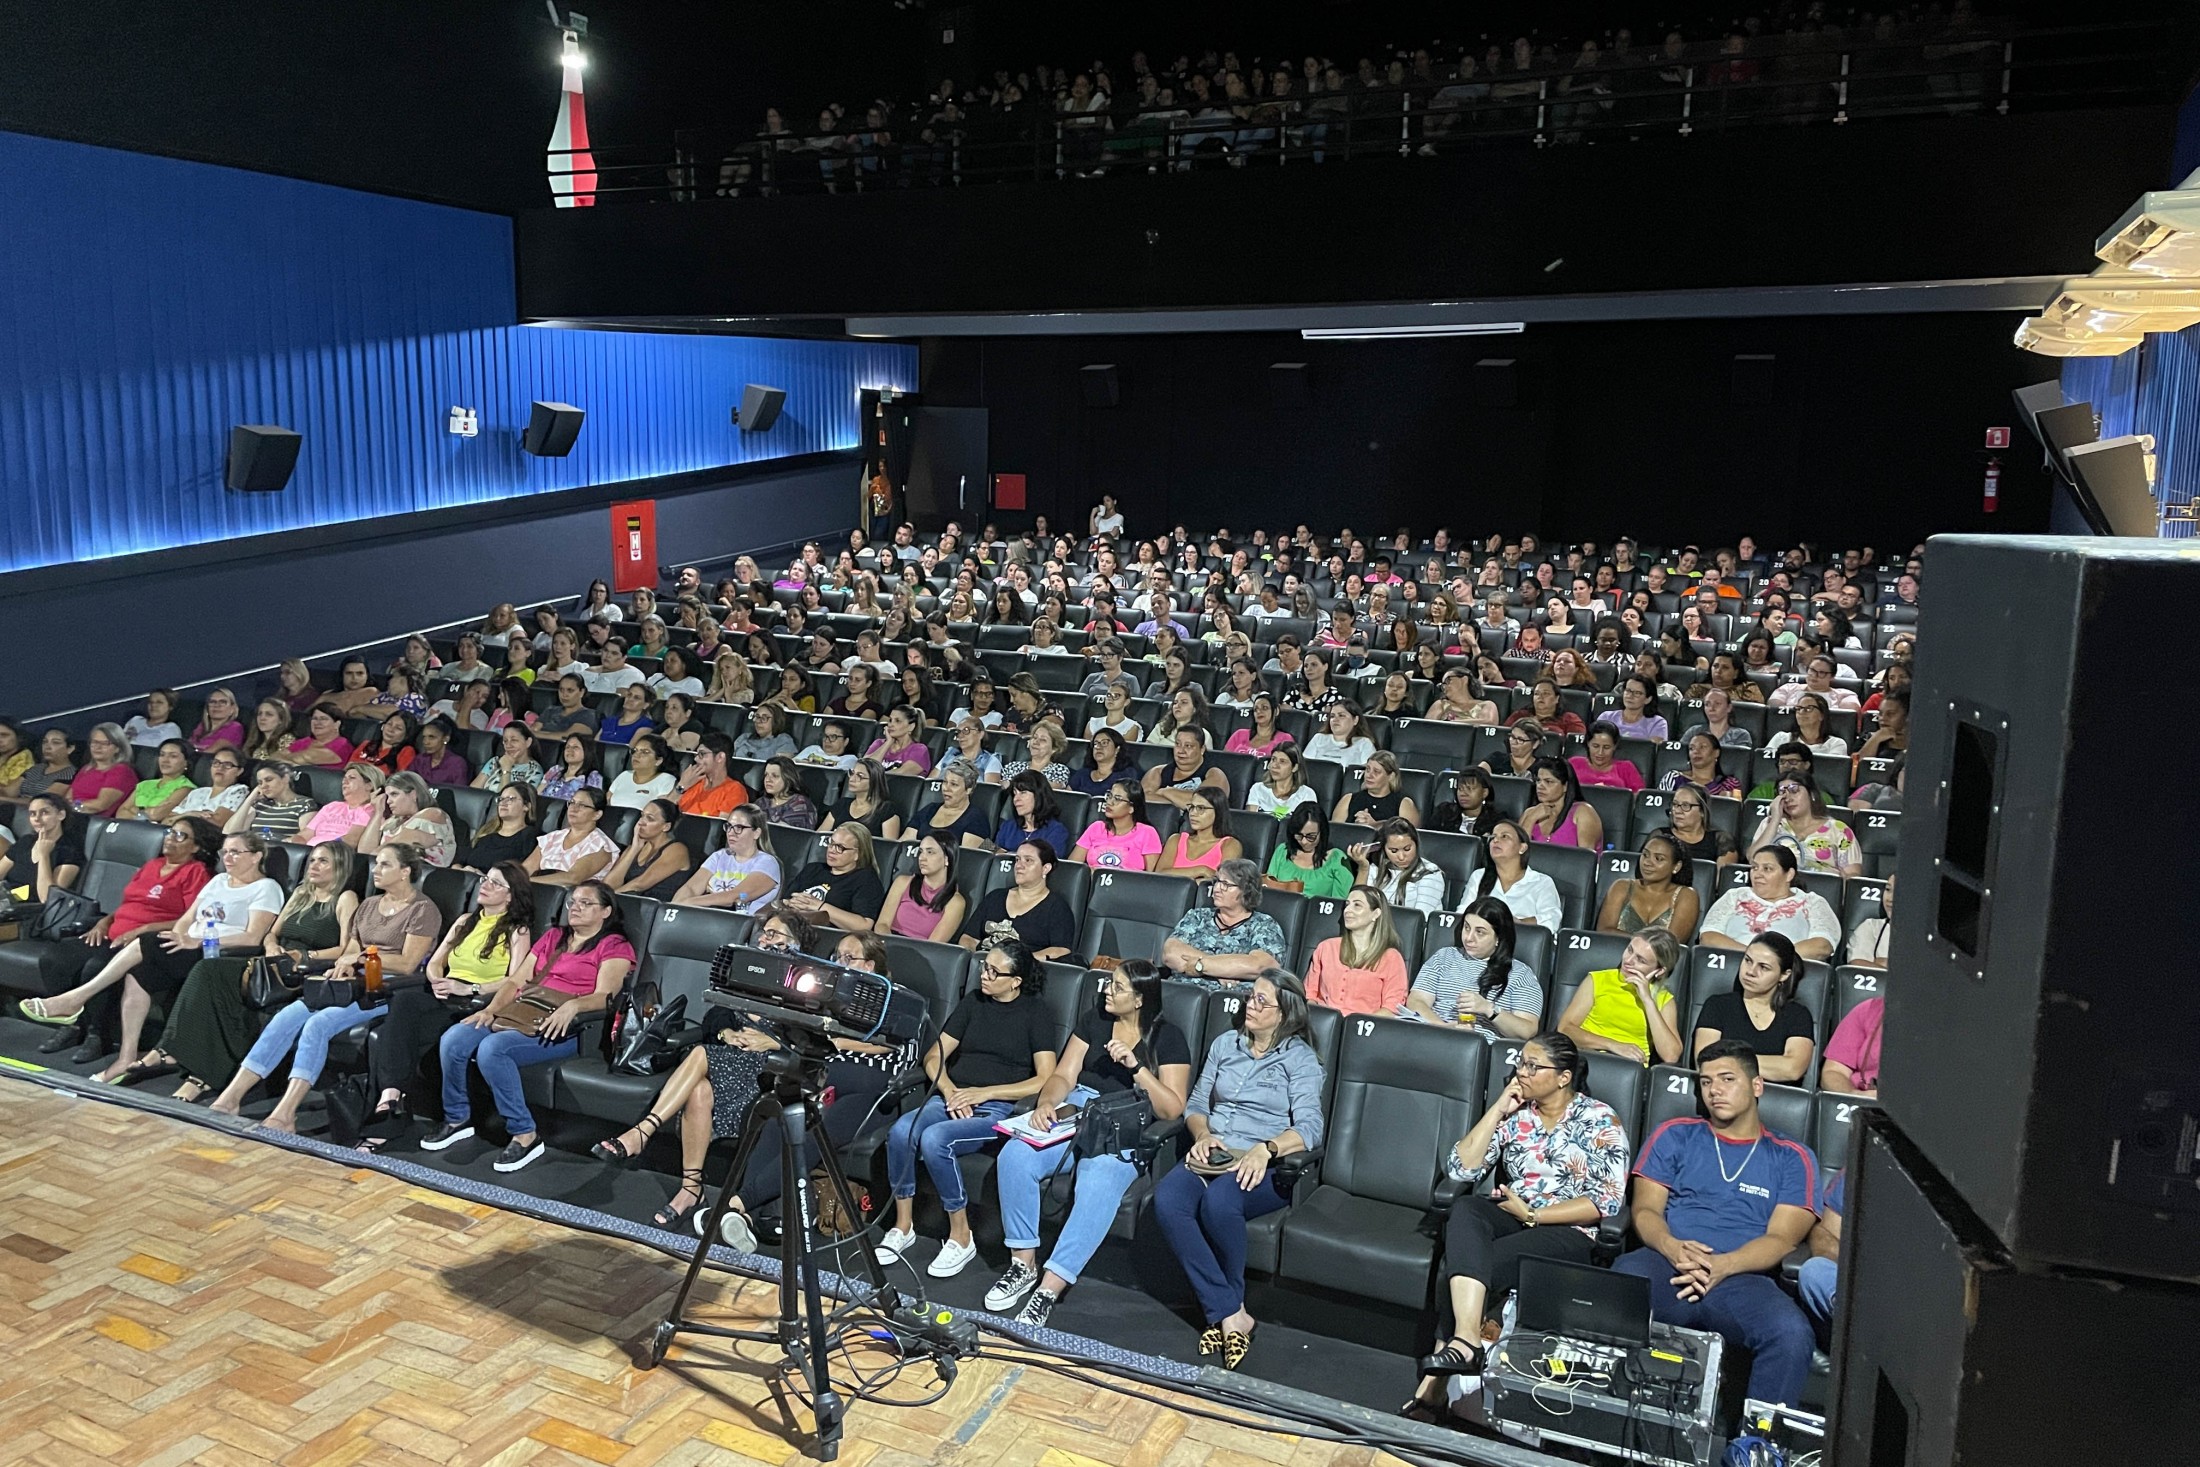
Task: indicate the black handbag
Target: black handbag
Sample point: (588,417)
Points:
(649,1048)
(1110,1125)
(350,1100)
(63,915)
(270,983)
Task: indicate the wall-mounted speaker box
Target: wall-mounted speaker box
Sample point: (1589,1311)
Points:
(1752,384)
(1290,385)
(2041,1046)
(1945,1352)
(2114,471)
(760,407)
(552,428)
(261,457)
(1102,385)
(1495,383)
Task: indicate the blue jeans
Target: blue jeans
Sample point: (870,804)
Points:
(500,1053)
(1101,1183)
(1750,1310)
(1204,1221)
(940,1139)
(310,1030)
(1816,1283)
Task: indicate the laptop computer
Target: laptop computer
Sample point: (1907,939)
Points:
(1576,1302)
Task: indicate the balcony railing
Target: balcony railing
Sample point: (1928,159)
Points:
(1977,73)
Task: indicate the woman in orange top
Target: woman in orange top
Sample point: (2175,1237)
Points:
(1362,971)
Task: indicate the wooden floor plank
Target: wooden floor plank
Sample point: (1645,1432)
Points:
(260,1307)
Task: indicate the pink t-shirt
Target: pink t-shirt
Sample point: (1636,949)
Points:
(332,820)
(1855,1042)
(1122,852)
(339,746)
(90,783)
(231,733)
(1622,775)
(575,973)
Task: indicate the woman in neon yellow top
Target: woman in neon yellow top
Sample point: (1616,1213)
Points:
(483,948)
(156,799)
(1628,1010)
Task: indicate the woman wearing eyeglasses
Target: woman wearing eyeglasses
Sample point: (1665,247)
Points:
(1564,1160)
(1798,819)
(1257,1099)
(1120,1045)
(743,876)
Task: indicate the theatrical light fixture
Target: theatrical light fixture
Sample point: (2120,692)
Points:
(2121,303)
(2048,338)
(1407,333)
(2159,235)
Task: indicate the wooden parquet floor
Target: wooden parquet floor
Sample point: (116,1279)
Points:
(170,1295)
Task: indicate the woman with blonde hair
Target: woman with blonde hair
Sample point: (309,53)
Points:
(731,681)
(1360,971)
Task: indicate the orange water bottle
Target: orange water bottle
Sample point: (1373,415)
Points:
(371,966)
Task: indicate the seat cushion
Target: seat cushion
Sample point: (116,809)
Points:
(19,969)
(587,1086)
(1358,1246)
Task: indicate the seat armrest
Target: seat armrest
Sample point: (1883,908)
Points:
(1611,1241)
(1155,1137)
(1299,1167)
(1445,1193)
(1791,1267)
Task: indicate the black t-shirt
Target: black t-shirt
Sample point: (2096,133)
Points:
(881,812)
(1382,807)
(490,848)
(1164,1046)
(1727,1013)
(994,1042)
(972,823)
(1716,843)
(860,891)
(1171,780)
(1049,924)
(67,851)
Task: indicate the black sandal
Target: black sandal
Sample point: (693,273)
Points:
(1449,1361)
(1416,1409)
(669,1216)
(146,1069)
(611,1151)
(387,1109)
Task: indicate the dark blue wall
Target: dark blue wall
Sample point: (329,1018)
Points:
(146,622)
(152,303)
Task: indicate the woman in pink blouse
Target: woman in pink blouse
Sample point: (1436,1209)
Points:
(580,966)
(1361,971)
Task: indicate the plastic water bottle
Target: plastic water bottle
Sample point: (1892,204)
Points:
(210,936)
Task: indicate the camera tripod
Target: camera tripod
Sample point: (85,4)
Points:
(789,1100)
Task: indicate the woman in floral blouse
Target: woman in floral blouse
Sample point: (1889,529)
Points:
(1565,1162)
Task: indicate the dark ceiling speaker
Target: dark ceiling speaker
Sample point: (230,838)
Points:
(1290,385)
(1495,383)
(1102,384)
(261,457)
(1752,383)
(759,408)
(551,429)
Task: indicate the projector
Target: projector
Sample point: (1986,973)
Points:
(816,993)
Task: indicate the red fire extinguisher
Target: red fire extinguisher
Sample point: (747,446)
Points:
(1993,485)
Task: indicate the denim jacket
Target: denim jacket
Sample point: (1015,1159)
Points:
(1247,1100)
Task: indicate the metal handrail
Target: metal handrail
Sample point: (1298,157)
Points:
(1996,72)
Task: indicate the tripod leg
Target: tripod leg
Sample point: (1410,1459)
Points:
(796,1270)
(762,1110)
(887,1299)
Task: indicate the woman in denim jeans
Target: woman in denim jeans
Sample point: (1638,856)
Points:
(1007,1045)
(1122,1045)
(402,925)
(1258,1098)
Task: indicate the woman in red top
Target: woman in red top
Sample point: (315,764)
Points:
(391,748)
(585,963)
(1549,713)
(161,892)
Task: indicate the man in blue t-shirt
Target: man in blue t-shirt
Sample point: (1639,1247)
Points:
(1718,1205)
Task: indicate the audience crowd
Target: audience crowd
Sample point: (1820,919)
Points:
(1449,750)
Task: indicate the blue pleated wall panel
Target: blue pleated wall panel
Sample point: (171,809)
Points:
(151,304)
(2153,388)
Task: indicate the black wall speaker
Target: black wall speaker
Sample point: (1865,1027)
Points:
(261,457)
(760,407)
(551,429)
(1495,383)
(1102,385)
(1290,385)
(2043,1046)
(1942,1346)
(1752,383)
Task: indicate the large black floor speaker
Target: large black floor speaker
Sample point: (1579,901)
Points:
(2043,1043)
(1948,1353)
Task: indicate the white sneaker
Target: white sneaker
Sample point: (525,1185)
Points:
(893,1245)
(1009,1290)
(734,1228)
(952,1259)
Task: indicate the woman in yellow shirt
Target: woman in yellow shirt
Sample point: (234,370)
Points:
(483,949)
(1628,1010)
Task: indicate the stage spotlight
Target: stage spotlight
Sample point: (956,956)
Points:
(2159,235)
